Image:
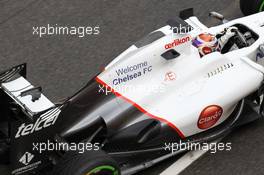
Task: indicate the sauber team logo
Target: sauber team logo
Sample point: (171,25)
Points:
(209,116)
(177,42)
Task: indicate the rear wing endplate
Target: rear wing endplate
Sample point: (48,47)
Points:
(14,83)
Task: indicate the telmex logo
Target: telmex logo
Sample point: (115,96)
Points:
(177,42)
(209,116)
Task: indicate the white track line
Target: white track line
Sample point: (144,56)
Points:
(182,163)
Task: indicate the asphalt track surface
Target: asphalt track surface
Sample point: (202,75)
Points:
(63,64)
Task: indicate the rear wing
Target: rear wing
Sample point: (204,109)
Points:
(14,83)
(7,75)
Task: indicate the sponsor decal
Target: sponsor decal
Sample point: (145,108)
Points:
(27,168)
(170,76)
(123,71)
(42,122)
(131,72)
(26,158)
(177,42)
(209,116)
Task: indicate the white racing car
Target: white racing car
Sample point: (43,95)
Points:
(183,83)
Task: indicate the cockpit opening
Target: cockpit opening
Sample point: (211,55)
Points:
(231,38)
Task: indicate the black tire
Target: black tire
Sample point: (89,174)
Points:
(88,163)
(249,7)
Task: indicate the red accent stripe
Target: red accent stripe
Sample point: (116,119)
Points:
(140,108)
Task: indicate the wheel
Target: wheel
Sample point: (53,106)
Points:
(88,163)
(249,7)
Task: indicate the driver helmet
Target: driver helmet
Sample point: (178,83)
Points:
(206,43)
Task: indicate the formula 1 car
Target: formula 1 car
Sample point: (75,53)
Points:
(183,83)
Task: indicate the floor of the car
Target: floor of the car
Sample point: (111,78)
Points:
(4,169)
(4,152)
(137,164)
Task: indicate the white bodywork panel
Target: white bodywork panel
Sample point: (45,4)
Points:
(15,87)
(141,76)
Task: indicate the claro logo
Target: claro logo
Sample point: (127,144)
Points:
(209,116)
(177,42)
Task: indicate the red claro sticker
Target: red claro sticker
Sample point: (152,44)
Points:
(209,116)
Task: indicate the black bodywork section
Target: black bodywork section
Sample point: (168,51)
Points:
(90,115)
(96,115)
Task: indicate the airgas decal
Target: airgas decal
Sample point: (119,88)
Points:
(132,72)
(209,116)
(177,42)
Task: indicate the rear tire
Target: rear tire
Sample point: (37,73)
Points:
(249,7)
(88,163)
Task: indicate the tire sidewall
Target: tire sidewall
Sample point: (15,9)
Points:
(87,168)
(82,164)
(249,7)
